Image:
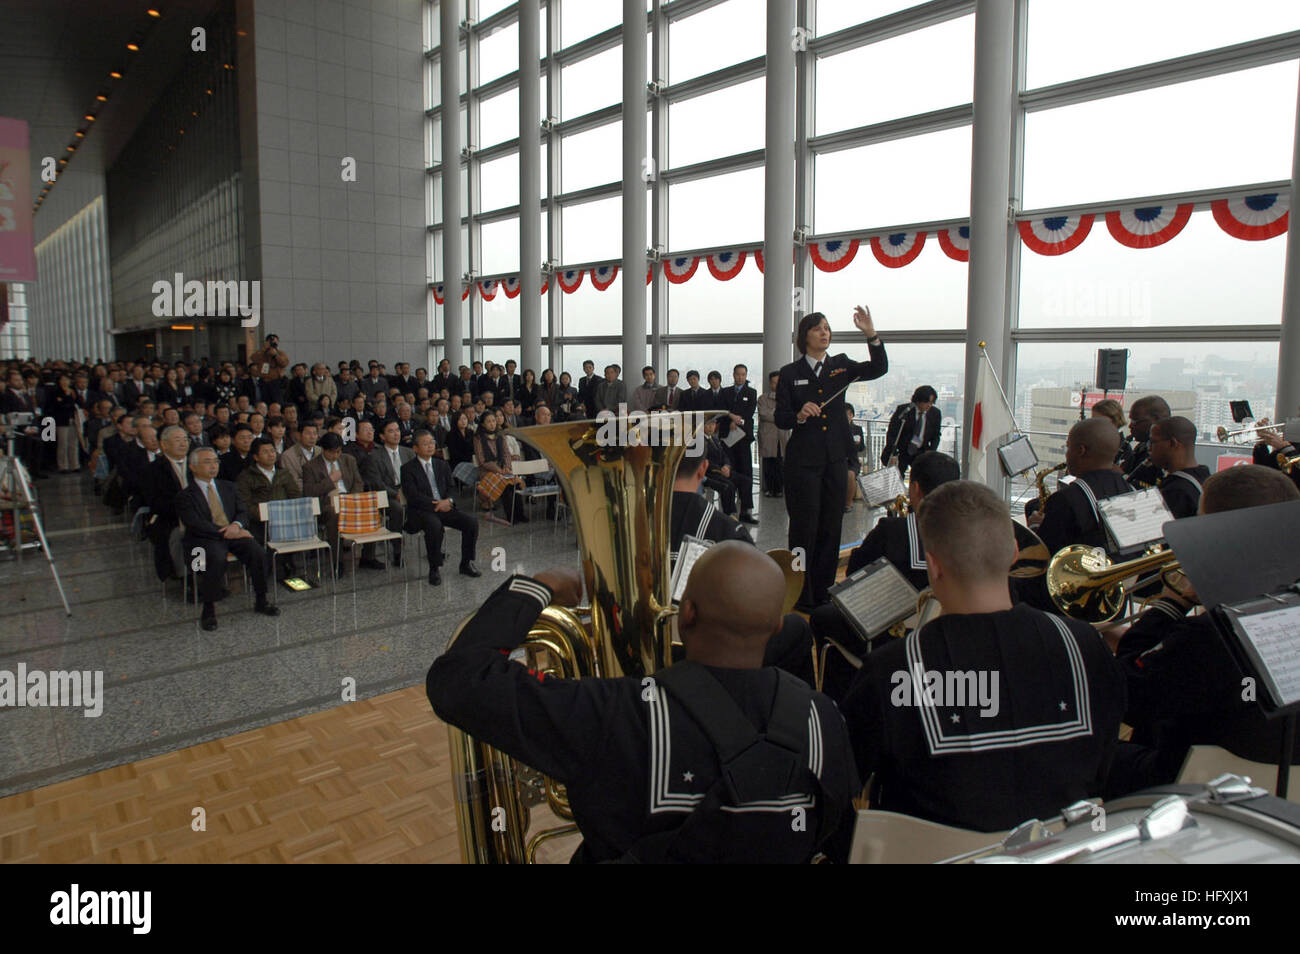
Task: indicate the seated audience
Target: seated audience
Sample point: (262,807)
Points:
(426,488)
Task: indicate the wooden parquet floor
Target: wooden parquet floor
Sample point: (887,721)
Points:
(364,782)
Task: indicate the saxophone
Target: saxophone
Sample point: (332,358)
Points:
(1040,479)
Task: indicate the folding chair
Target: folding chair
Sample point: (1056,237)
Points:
(361,521)
(532,492)
(192,581)
(291,528)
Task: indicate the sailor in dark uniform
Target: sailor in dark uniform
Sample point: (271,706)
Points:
(1270,444)
(1141,471)
(1184,687)
(791,647)
(898,541)
(809,402)
(990,714)
(637,760)
(1172,447)
(1071,515)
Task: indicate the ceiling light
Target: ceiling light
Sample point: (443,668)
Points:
(102,98)
(72,149)
(115,74)
(133,48)
(79,134)
(153,13)
(90,117)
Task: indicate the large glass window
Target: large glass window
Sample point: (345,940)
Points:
(500,244)
(574,354)
(729,33)
(724,123)
(591,158)
(1201,276)
(589,311)
(1198,379)
(917,179)
(714,357)
(580,19)
(705,305)
(835,15)
(716,211)
(841,79)
(1069,40)
(499,118)
(928,293)
(593,231)
(592,83)
(501,320)
(1231,129)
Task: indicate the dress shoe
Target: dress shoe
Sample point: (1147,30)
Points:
(435,577)
(748,517)
(469,569)
(368,563)
(265,608)
(208,621)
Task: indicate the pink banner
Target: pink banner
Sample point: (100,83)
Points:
(17,253)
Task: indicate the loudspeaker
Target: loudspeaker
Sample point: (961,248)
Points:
(1112,368)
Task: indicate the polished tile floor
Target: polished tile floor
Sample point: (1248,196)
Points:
(169,686)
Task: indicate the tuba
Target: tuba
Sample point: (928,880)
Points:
(617,476)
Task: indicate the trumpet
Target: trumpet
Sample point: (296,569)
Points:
(1039,479)
(1223,433)
(1086,586)
(898,506)
(1287,464)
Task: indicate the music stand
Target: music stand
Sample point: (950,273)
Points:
(874,598)
(1244,563)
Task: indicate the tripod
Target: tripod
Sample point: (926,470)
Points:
(15,484)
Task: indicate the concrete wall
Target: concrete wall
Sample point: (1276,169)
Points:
(341,263)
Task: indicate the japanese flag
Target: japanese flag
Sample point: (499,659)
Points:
(990,423)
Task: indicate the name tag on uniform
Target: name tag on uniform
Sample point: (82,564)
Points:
(801,382)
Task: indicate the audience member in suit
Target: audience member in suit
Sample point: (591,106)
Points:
(443,379)
(165,478)
(669,397)
(331,473)
(587,388)
(721,477)
(528,395)
(215,520)
(297,457)
(374,383)
(382,470)
(1038,731)
(644,396)
(611,394)
(262,481)
(568,406)
(460,441)
(364,443)
(426,487)
(406,424)
(692,398)
(193,424)
(136,458)
(740,401)
(771,440)
(548,391)
(241,448)
(508,385)
(913,430)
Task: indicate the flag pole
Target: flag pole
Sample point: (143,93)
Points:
(1005,403)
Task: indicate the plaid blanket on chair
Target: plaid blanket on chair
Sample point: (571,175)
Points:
(290,520)
(358,513)
(492,485)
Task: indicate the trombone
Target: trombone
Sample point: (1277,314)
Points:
(1223,433)
(1085,585)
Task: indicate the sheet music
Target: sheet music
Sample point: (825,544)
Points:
(1017,456)
(690,552)
(881,486)
(1136,519)
(1275,637)
(875,597)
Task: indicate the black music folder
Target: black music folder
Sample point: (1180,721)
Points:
(874,598)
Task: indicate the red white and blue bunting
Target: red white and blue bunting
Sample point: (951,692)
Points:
(897,249)
(570,280)
(1055,234)
(724,266)
(1253,217)
(602,276)
(680,269)
(832,255)
(1148,226)
(1250,218)
(955,242)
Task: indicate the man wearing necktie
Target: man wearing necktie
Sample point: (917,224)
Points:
(810,402)
(332,473)
(913,430)
(162,481)
(214,521)
(740,402)
(382,470)
(426,485)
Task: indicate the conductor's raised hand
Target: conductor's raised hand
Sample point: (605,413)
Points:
(565,586)
(809,410)
(862,321)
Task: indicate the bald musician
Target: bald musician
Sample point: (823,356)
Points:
(1172,448)
(990,714)
(639,755)
(1184,687)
